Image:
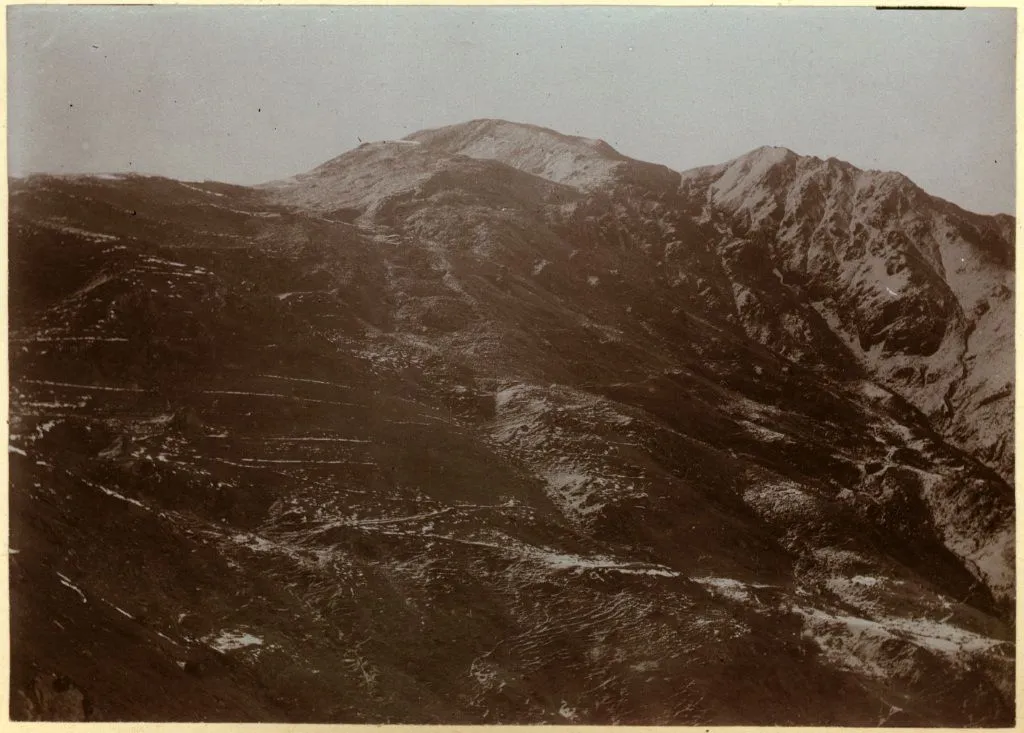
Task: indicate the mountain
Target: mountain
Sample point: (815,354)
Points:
(917,287)
(496,425)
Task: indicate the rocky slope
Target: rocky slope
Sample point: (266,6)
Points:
(497,425)
(916,287)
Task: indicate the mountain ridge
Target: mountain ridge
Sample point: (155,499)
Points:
(425,436)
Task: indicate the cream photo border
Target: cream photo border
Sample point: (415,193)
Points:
(6,725)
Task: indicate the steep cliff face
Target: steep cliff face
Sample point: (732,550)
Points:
(915,287)
(497,425)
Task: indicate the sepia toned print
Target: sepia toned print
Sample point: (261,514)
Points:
(528,402)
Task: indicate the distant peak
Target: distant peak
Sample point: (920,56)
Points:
(778,149)
(769,153)
(576,161)
(463,133)
(773,154)
(767,157)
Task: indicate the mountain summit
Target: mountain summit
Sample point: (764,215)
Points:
(575,161)
(580,162)
(497,425)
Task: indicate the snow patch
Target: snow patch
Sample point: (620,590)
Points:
(567,712)
(579,563)
(228,641)
(65,581)
(730,588)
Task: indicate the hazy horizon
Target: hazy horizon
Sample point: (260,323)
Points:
(251,94)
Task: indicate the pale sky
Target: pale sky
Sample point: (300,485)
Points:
(251,94)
